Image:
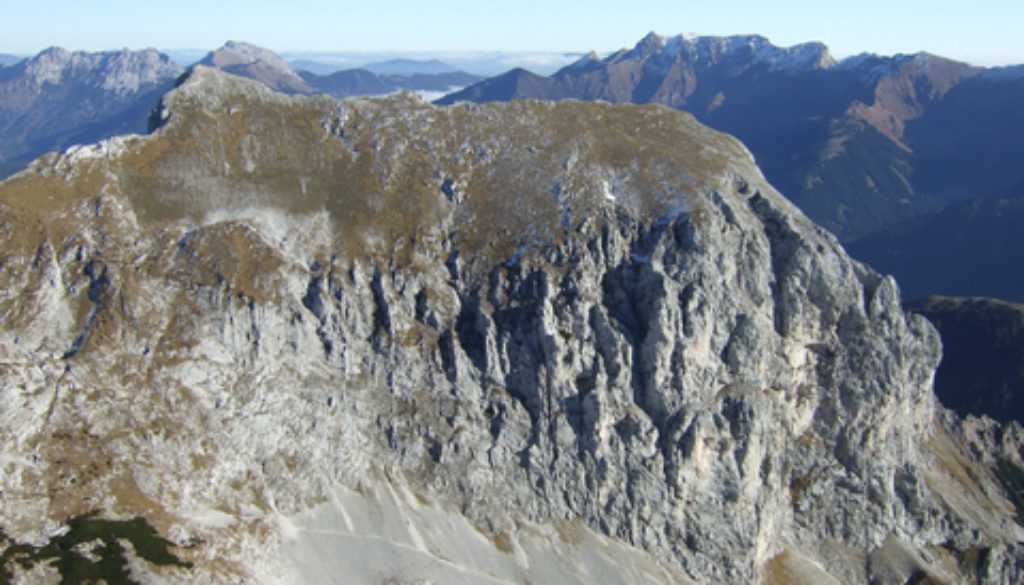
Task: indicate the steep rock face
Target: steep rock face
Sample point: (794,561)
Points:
(284,328)
(59,98)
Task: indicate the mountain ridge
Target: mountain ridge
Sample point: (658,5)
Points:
(59,98)
(858,144)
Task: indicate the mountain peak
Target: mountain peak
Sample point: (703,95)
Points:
(255,62)
(235,53)
(588,61)
(740,51)
(649,45)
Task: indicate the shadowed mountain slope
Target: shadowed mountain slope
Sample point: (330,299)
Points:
(971,248)
(982,368)
(59,98)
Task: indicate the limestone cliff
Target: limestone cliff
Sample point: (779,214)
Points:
(379,341)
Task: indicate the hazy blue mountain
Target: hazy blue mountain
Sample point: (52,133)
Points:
(409,67)
(9,59)
(316,67)
(355,82)
(59,98)
(858,144)
(483,63)
(275,72)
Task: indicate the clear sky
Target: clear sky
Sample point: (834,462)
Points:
(983,31)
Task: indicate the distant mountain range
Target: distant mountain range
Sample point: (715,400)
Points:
(858,144)
(409,67)
(273,71)
(399,66)
(483,63)
(59,98)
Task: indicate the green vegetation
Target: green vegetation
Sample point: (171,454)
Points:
(91,550)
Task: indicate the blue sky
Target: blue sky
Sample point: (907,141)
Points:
(983,32)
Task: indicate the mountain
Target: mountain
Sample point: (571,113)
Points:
(297,339)
(982,369)
(971,248)
(475,62)
(858,145)
(270,69)
(359,82)
(316,67)
(9,59)
(257,63)
(409,67)
(59,98)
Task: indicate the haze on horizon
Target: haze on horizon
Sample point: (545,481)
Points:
(983,32)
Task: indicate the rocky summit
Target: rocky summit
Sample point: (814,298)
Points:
(291,339)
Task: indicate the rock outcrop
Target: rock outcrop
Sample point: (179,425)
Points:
(569,342)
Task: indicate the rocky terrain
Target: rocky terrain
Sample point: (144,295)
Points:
(381,341)
(857,144)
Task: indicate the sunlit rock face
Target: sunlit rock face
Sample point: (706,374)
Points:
(374,341)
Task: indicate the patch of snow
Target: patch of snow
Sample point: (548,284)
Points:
(110,148)
(430,95)
(606,189)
